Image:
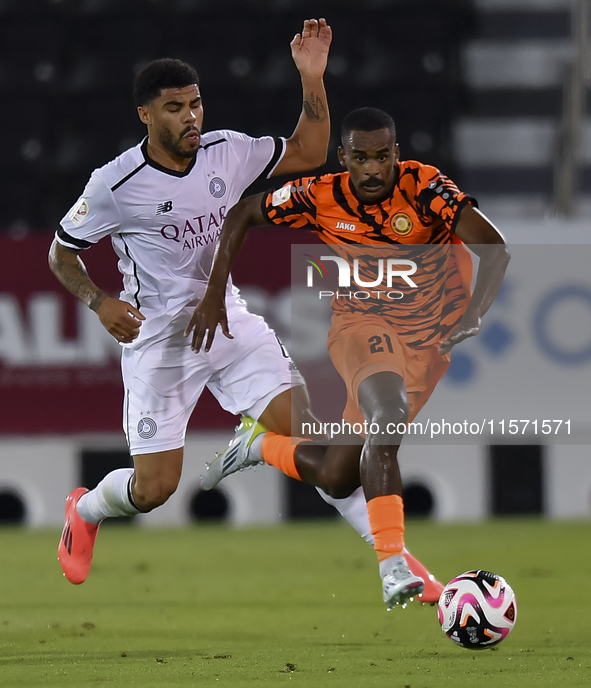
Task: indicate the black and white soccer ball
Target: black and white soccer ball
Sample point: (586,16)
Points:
(477,609)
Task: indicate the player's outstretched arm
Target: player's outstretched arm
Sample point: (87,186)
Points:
(119,318)
(485,240)
(211,310)
(308,145)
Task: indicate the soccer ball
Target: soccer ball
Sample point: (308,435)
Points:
(477,609)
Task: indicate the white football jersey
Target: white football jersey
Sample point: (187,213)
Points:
(163,224)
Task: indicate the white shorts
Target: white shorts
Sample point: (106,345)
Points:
(163,381)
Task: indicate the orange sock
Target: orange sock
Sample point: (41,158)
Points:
(279,451)
(386,520)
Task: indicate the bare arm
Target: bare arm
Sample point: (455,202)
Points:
(308,145)
(119,318)
(484,239)
(211,310)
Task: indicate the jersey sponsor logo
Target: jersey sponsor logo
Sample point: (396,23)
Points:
(147,428)
(217,187)
(401,224)
(281,196)
(79,211)
(349,226)
(201,240)
(196,231)
(164,207)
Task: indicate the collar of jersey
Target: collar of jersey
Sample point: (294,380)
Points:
(166,170)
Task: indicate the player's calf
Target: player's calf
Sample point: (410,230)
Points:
(333,468)
(156,478)
(151,495)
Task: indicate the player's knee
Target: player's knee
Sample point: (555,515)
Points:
(387,421)
(338,484)
(339,490)
(153,494)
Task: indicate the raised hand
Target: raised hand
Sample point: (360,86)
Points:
(310,48)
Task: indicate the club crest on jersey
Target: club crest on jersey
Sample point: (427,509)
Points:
(164,207)
(281,196)
(401,224)
(349,226)
(217,187)
(79,211)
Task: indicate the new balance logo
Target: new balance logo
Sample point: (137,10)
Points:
(164,207)
(349,226)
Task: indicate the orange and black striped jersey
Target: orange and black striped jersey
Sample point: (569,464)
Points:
(423,208)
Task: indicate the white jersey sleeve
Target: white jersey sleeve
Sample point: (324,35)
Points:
(94,215)
(255,157)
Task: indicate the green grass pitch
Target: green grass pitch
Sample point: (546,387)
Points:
(288,605)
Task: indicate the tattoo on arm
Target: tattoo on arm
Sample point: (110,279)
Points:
(314,108)
(70,271)
(96,300)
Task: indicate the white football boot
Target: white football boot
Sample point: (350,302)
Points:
(236,457)
(400,585)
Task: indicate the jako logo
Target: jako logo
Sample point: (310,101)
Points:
(345,271)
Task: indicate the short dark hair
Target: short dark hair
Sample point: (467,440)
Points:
(366,119)
(164,73)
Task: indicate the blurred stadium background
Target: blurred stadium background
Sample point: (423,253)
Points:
(494,92)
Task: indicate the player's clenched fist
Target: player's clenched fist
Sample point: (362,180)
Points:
(119,318)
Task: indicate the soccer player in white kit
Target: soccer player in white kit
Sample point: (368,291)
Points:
(162,203)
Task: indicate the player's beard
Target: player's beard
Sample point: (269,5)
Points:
(174,145)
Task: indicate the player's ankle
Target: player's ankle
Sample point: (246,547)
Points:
(255,449)
(386,565)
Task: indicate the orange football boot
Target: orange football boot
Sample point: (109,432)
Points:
(77,542)
(433,587)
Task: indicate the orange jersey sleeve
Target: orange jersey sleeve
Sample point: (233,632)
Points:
(293,204)
(433,196)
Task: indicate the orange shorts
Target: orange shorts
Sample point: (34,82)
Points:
(361,345)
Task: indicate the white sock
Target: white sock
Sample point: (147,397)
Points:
(254,451)
(110,498)
(354,510)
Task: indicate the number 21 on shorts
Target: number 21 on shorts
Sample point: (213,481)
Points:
(376,343)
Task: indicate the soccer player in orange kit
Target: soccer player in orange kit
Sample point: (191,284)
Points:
(390,355)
